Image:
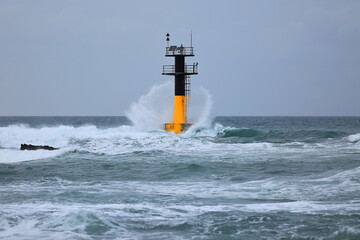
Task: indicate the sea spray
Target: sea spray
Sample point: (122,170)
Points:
(155,108)
(200,108)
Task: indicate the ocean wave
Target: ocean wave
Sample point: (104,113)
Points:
(354,137)
(331,192)
(245,133)
(137,220)
(217,140)
(277,136)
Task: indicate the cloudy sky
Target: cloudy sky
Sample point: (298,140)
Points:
(255,57)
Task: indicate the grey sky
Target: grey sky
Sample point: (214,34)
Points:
(255,57)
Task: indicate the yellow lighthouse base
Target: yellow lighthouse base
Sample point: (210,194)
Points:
(177,127)
(179,124)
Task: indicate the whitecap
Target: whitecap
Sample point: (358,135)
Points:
(15,155)
(354,137)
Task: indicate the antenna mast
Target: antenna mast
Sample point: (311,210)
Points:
(190,38)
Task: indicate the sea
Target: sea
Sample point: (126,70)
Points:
(234,178)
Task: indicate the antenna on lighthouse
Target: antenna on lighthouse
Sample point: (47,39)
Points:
(190,38)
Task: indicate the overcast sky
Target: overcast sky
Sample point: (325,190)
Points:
(255,57)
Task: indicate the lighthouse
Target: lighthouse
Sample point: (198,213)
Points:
(181,72)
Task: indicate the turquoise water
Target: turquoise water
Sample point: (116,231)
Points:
(240,178)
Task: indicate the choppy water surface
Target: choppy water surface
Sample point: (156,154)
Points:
(240,178)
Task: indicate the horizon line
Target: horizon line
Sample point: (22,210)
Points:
(214,116)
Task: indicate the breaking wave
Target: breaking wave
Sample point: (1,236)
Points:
(130,139)
(354,137)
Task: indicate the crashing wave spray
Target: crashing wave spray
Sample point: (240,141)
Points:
(155,108)
(200,108)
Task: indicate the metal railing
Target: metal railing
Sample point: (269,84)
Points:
(175,50)
(188,69)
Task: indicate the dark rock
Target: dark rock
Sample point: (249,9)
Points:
(36,147)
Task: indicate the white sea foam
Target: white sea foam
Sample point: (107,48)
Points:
(36,220)
(354,137)
(127,139)
(12,136)
(14,156)
(299,195)
(308,207)
(67,138)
